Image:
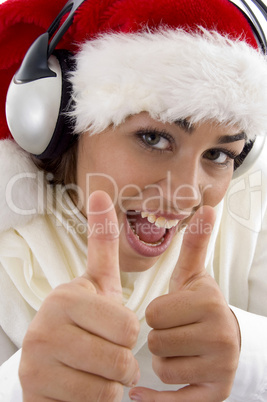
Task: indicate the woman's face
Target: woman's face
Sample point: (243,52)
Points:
(157,175)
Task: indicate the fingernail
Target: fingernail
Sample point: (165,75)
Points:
(136,398)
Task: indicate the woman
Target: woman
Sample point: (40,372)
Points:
(119,273)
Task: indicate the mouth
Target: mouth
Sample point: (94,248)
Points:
(149,234)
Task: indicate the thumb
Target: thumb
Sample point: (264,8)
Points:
(191,262)
(103,246)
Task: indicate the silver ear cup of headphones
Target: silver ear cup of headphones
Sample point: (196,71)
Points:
(32,109)
(251,157)
(256,13)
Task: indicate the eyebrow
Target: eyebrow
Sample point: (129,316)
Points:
(226,139)
(189,128)
(185,125)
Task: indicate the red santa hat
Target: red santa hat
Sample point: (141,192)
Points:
(174,59)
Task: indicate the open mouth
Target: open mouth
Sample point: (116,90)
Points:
(149,234)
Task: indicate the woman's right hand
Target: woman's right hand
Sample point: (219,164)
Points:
(78,347)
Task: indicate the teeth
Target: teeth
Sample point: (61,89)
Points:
(152,244)
(152,218)
(160,222)
(171,223)
(144,214)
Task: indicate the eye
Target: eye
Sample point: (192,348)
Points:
(155,140)
(220,156)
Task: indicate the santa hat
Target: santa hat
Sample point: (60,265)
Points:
(174,59)
(172,74)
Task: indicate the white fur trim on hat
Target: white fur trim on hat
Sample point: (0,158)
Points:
(172,75)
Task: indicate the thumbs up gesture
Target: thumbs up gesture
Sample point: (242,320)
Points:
(78,347)
(195,338)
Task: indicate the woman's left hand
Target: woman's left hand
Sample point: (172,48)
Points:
(195,338)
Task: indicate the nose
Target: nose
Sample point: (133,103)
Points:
(181,187)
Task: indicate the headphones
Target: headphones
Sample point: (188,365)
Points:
(40,94)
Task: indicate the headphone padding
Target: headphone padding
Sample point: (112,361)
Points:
(63,136)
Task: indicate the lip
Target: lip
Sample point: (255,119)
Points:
(144,249)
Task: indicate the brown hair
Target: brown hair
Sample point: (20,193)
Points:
(61,170)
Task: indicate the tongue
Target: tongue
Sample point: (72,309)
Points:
(147,232)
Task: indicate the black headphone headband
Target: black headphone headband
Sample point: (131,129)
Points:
(35,63)
(49,142)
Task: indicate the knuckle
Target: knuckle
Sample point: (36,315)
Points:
(214,303)
(186,375)
(163,371)
(111,391)
(228,357)
(26,376)
(228,342)
(155,342)
(131,329)
(228,368)
(60,296)
(31,338)
(29,376)
(85,283)
(223,391)
(166,376)
(153,313)
(30,371)
(122,363)
(63,297)
(156,310)
(34,339)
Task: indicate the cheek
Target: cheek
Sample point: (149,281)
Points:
(213,193)
(122,174)
(111,174)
